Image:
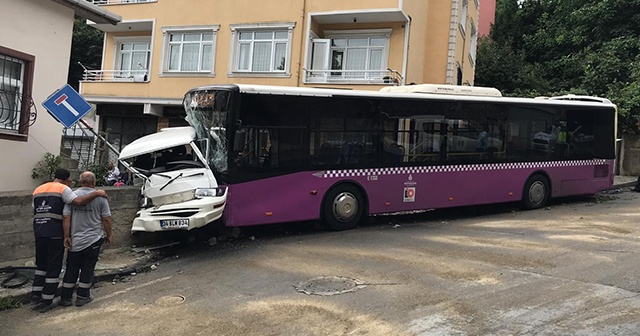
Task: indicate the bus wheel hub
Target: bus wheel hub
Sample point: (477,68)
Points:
(345,206)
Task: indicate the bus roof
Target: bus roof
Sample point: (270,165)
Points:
(406,94)
(445,89)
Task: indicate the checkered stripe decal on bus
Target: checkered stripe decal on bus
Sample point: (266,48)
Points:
(455,168)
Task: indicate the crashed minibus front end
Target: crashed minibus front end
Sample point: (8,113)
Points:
(179,190)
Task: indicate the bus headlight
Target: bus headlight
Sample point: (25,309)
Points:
(210,192)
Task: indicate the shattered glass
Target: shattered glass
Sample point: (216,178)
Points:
(207,112)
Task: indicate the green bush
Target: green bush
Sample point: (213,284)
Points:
(101,172)
(46,168)
(8,302)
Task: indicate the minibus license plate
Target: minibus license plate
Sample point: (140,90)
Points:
(174,224)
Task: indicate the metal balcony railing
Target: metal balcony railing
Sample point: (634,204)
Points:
(116,76)
(389,76)
(118,2)
(78,146)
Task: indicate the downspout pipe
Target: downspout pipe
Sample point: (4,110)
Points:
(407,28)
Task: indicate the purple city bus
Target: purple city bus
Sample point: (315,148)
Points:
(295,154)
(286,154)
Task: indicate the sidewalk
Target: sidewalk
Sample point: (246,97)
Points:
(113,263)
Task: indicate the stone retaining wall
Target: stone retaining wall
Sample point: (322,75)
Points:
(16,225)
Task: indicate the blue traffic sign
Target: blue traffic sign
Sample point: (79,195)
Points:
(67,106)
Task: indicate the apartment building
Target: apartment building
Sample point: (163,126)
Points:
(35,46)
(162,48)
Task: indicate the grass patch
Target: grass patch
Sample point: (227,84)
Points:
(8,302)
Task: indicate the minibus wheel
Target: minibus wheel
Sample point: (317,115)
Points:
(536,192)
(343,207)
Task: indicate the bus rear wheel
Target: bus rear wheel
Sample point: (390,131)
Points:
(343,207)
(536,192)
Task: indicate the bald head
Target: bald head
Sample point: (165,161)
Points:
(88,179)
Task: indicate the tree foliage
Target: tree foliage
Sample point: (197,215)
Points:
(86,49)
(548,47)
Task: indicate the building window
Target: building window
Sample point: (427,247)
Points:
(350,56)
(463,17)
(16,77)
(262,48)
(133,59)
(473,43)
(190,49)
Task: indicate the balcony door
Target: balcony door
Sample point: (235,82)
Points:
(319,60)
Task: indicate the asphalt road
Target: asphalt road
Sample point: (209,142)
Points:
(570,269)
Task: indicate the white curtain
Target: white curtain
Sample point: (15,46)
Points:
(190,53)
(174,57)
(261,56)
(356,60)
(207,57)
(245,56)
(279,59)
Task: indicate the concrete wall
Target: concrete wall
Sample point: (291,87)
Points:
(42,29)
(629,155)
(16,226)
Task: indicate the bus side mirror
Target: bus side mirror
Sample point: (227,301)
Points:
(239,141)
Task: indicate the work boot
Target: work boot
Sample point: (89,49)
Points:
(46,306)
(34,300)
(65,302)
(81,300)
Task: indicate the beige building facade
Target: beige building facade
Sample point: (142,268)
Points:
(35,47)
(162,48)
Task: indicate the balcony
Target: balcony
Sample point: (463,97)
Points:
(386,77)
(138,76)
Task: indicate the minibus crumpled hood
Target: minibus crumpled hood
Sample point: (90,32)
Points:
(178,185)
(166,138)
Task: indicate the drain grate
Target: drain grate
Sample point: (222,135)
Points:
(170,300)
(329,285)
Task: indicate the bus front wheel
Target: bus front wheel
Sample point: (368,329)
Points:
(536,192)
(343,207)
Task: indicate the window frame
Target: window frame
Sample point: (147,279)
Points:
(20,133)
(473,42)
(119,41)
(464,12)
(360,34)
(234,58)
(331,35)
(168,31)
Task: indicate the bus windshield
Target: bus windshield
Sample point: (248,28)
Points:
(207,112)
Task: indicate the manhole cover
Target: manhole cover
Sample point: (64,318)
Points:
(329,285)
(170,300)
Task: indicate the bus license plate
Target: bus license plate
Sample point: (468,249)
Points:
(174,224)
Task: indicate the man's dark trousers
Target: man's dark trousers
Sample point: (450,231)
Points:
(83,263)
(49,254)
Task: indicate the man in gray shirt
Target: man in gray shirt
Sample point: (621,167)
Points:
(85,229)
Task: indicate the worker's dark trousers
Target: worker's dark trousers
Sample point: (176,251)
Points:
(83,263)
(49,254)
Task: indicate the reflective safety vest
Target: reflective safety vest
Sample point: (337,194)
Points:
(562,137)
(47,210)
